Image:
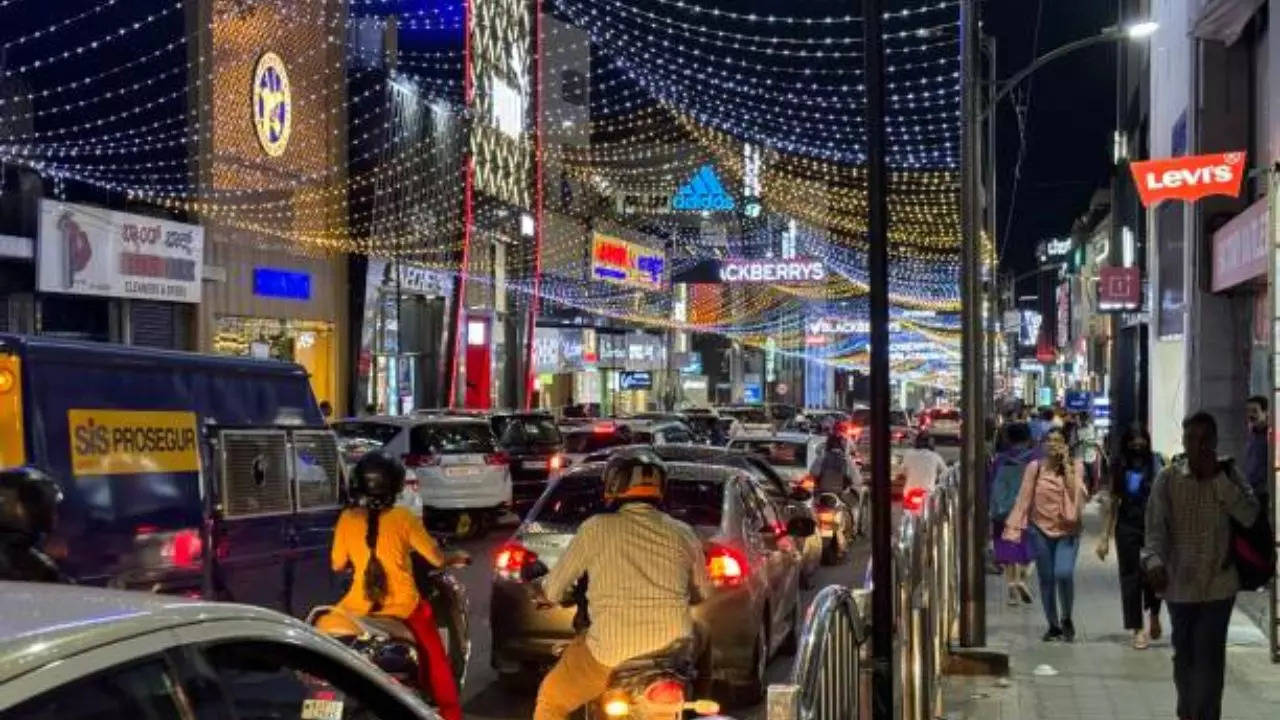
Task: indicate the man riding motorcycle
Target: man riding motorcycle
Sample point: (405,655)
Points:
(835,471)
(644,568)
(377,540)
(28,512)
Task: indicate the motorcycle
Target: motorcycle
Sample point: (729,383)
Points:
(656,686)
(837,526)
(388,642)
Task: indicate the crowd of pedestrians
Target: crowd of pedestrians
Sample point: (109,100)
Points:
(1188,532)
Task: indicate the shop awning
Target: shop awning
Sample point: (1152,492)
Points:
(1224,20)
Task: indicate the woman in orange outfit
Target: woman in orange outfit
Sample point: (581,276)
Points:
(377,540)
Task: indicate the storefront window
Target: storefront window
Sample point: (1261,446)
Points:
(309,343)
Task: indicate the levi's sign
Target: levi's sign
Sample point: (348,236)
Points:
(774,271)
(1189,178)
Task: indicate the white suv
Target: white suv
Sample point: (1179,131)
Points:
(463,479)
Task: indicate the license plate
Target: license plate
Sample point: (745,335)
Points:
(321,710)
(534,465)
(461,471)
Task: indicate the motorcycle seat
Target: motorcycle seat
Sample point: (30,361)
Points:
(676,656)
(394,628)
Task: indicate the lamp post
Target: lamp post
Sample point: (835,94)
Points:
(974,519)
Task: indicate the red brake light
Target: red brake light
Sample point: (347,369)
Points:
(665,692)
(604,427)
(180,548)
(416,460)
(913,499)
(555,462)
(806,483)
(498,458)
(727,567)
(511,559)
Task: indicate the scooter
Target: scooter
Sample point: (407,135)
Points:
(388,642)
(837,526)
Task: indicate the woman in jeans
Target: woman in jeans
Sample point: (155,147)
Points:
(1048,510)
(1132,477)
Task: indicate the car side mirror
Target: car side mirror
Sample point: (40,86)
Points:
(534,571)
(801,526)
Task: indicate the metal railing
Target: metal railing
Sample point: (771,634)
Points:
(830,679)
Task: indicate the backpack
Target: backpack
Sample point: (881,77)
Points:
(1007,484)
(1253,551)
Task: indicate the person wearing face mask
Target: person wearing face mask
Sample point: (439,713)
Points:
(1187,558)
(1131,479)
(1048,511)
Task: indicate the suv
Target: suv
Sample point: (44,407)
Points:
(536,450)
(463,478)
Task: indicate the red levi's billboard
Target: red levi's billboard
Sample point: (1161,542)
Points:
(1189,178)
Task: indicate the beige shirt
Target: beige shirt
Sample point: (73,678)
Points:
(1046,501)
(644,569)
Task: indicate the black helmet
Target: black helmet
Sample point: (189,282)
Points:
(637,474)
(378,477)
(28,501)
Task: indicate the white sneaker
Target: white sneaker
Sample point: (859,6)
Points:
(1140,640)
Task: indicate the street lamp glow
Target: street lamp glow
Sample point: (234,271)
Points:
(1140,30)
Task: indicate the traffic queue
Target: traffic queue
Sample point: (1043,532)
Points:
(215,490)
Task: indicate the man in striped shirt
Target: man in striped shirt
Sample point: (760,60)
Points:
(645,569)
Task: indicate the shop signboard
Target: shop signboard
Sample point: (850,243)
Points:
(1028,327)
(771,270)
(702,193)
(282,284)
(612,350)
(85,250)
(1240,248)
(621,262)
(752,393)
(1064,315)
(1189,178)
(1079,400)
(1119,289)
(635,380)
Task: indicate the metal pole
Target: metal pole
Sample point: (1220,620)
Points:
(882,615)
(993,294)
(973,511)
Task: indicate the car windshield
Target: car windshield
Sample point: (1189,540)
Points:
(776,453)
(592,441)
(519,431)
(755,416)
(452,438)
(577,497)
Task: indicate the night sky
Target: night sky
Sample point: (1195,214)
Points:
(1069,122)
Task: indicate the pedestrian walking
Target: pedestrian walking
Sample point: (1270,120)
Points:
(1132,477)
(1048,511)
(1257,449)
(1004,480)
(1187,559)
(1086,450)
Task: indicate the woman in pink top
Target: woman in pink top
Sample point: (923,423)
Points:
(1048,509)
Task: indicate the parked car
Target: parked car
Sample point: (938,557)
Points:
(699,425)
(753,561)
(535,447)
(76,652)
(463,477)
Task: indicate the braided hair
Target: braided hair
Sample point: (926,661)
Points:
(375,575)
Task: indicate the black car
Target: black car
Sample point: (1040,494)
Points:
(536,449)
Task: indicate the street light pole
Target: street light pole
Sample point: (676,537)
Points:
(882,592)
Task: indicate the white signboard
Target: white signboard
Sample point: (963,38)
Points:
(92,251)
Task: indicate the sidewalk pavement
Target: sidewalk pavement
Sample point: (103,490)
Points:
(1100,676)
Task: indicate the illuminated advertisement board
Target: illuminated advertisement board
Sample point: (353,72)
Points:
(772,270)
(626,263)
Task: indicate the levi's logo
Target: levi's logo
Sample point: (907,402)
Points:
(1189,178)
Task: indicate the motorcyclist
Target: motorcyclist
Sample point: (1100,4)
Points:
(645,570)
(835,471)
(28,512)
(377,539)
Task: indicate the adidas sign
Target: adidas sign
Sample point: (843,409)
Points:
(703,192)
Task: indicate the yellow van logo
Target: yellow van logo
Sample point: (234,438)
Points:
(131,442)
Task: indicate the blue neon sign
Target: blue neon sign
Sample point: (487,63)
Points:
(703,192)
(284,284)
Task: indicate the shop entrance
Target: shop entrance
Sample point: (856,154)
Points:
(310,343)
(395,384)
(479,390)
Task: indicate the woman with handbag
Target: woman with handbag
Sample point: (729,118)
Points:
(1048,510)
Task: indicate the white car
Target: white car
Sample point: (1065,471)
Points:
(463,478)
(74,652)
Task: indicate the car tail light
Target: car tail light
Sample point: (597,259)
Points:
(416,460)
(806,482)
(179,548)
(604,427)
(726,566)
(665,692)
(511,559)
(556,462)
(899,436)
(913,499)
(615,703)
(498,458)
